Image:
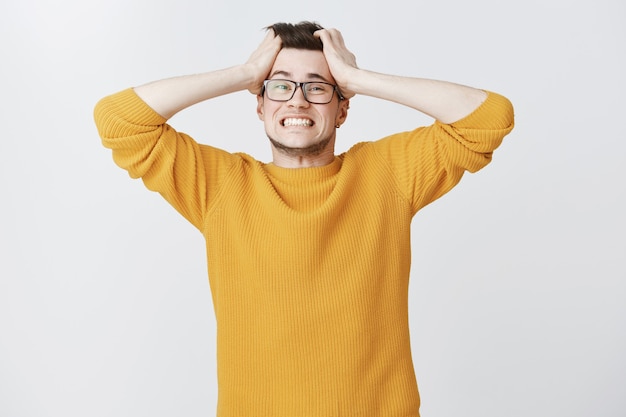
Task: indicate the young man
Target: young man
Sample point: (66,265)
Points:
(308,256)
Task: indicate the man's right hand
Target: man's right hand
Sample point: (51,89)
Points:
(262,59)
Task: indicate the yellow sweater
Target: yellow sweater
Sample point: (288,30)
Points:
(308,268)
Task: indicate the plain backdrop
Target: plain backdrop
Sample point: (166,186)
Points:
(518,286)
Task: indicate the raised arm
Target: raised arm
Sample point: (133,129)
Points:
(442,100)
(169,96)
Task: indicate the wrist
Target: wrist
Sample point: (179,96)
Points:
(250,78)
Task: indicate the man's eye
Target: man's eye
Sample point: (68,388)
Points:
(317,88)
(281,86)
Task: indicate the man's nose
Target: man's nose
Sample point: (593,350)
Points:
(298,97)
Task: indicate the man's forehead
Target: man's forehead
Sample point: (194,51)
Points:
(301,63)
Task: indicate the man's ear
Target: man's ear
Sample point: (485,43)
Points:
(342,111)
(259,107)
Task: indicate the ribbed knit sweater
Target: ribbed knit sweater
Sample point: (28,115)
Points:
(308,268)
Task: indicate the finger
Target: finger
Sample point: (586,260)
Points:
(271,37)
(325,35)
(272,40)
(337,36)
(331,38)
(270,33)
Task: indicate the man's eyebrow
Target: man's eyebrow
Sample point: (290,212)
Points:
(310,76)
(281,73)
(313,75)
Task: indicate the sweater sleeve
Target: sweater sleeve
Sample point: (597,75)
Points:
(429,161)
(168,162)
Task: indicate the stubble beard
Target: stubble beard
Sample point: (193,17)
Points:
(311,150)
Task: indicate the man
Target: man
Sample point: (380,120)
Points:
(309,255)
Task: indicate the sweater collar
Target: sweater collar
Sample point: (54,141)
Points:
(303,175)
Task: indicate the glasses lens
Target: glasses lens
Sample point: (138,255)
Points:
(280,90)
(314,92)
(318,92)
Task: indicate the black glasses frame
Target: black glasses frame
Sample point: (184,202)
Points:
(302,86)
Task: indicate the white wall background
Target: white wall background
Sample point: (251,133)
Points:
(519,280)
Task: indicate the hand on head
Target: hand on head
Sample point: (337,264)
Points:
(340,60)
(262,60)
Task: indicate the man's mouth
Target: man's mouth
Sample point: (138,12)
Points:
(292,121)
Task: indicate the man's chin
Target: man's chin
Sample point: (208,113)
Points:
(314,149)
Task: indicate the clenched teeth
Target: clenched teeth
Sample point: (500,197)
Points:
(297,122)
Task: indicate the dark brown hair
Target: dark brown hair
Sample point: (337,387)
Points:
(298,36)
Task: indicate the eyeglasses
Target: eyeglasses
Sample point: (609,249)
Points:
(316,92)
